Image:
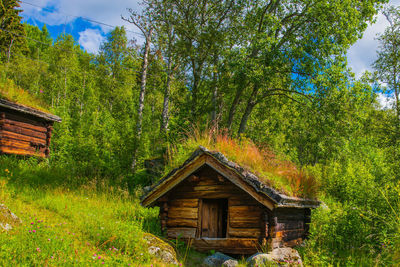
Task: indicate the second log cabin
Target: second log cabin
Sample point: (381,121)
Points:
(24,130)
(215,204)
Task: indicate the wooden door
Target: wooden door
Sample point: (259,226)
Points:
(214,218)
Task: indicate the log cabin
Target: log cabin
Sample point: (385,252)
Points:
(24,130)
(215,204)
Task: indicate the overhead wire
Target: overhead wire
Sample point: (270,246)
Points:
(75,16)
(49,45)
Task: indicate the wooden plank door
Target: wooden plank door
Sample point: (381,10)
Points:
(213,218)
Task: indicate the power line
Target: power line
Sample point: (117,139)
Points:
(50,45)
(75,16)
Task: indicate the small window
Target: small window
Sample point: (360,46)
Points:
(214,218)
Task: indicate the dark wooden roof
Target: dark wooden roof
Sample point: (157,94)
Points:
(28,110)
(244,179)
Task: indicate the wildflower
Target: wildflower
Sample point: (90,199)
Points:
(34,231)
(102,262)
(32,223)
(38,249)
(41,91)
(99,257)
(48,239)
(6,170)
(30,231)
(52,257)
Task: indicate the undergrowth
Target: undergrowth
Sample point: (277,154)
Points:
(275,171)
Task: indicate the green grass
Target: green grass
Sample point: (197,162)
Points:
(83,224)
(11,92)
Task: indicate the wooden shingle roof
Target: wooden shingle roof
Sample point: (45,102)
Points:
(238,175)
(28,110)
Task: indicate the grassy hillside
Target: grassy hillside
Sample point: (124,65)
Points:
(86,223)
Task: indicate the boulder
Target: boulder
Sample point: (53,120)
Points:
(7,219)
(218,259)
(160,249)
(278,256)
(230,263)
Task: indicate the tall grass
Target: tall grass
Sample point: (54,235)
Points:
(271,169)
(11,92)
(67,223)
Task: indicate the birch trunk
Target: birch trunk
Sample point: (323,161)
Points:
(143,81)
(165,116)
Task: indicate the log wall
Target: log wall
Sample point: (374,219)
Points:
(24,134)
(288,226)
(180,212)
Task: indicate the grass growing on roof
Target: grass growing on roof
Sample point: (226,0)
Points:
(279,173)
(13,93)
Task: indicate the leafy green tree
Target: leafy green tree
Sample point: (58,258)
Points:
(288,42)
(387,65)
(38,41)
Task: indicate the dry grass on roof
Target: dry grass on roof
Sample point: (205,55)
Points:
(281,174)
(13,93)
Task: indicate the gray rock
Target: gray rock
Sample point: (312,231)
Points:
(7,219)
(230,263)
(261,259)
(277,257)
(218,259)
(160,249)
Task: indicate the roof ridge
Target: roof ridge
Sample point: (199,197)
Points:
(28,110)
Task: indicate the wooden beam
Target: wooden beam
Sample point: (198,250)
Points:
(181,222)
(181,232)
(179,212)
(174,180)
(193,178)
(227,245)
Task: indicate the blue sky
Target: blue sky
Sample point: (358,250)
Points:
(70,16)
(66,16)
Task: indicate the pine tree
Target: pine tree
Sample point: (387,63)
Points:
(12,33)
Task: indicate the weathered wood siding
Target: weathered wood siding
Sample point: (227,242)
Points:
(24,134)
(181,208)
(289,226)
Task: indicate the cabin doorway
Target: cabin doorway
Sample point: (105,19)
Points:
(214,218)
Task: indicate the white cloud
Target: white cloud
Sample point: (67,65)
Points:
(362,54)
(385,101)
(66,11)
(90,40)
